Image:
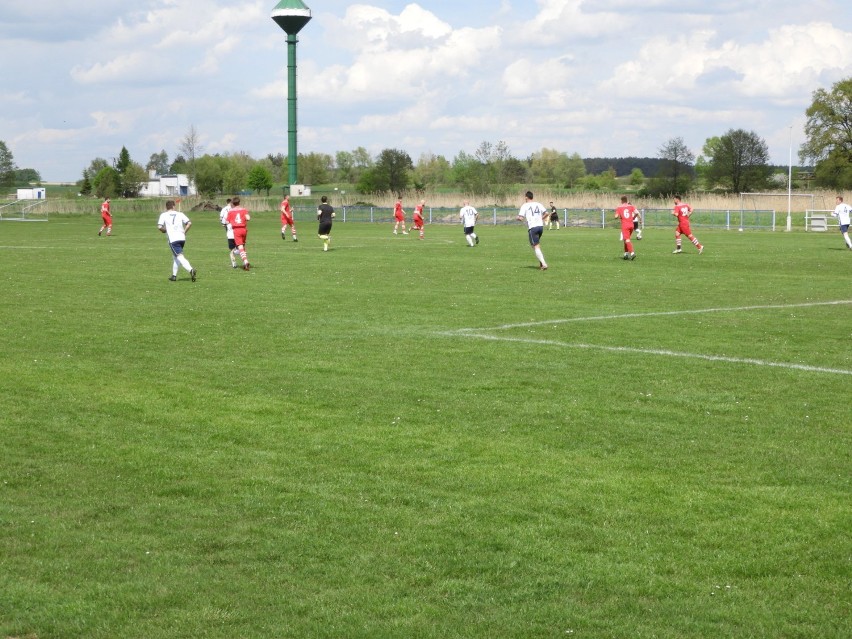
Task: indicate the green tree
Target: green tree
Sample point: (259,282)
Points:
(737,160)
(132,179)
(259,179)
(637,178)
(85,184)
(431,170)
(828,135)
(123,161)
(158,162)
(7,165)
(545,165)
(470,174)
(345,163)
(210,174)
(315,168)
(575,171)
(234,179)
(392,169)
(676,166)
(107,183)
(27,176)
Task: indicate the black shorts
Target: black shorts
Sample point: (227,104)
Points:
(535,235)
(231,244)
(324,229)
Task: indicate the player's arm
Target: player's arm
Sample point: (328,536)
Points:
(187,225)
(161,228)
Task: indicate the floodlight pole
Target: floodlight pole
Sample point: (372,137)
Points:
(790,183)
(291,16)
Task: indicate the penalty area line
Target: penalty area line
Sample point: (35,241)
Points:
(651,351)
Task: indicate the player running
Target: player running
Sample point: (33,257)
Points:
(238,217)
(682,211)
(533,213)
(399,216)
(468,216)
(842,213)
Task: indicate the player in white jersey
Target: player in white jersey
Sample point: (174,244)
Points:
(229,232)
(175,225)
(468,216)
(532,213)
(842,212)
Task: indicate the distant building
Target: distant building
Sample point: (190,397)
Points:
(177,184)
(36,193)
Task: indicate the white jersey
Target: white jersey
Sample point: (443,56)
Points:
(533,213)
(223,218)
(841,212)
(468,216)
(175,224)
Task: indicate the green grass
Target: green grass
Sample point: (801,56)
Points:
(315,449)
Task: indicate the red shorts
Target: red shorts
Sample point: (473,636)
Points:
(626,232)
(683,228)
(240,235)
(418,222)
(107,219)
(286,219)
(399,217)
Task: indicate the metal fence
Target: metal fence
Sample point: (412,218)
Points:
(590,218)
(24,211)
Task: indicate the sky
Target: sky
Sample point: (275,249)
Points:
(602,78)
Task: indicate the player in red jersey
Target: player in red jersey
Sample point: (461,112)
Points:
(418,217)
(624,214)
(682,211)
(287,219)
(399,216)
(106,217)
(238,217)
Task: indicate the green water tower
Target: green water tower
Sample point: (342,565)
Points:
(291,16)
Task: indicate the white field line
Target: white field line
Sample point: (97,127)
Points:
(598,318)
(654,351)
(486,334)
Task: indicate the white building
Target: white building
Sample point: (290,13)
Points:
(166,185)
(37,193)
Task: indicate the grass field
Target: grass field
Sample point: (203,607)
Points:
(404,438)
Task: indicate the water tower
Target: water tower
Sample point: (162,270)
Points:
(291,15)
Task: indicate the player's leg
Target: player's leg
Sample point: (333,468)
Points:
(696,243)
(678,242)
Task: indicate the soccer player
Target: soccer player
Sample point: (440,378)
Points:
(682,211)
(468,216)
(842,213)
(325,215)
(399,216)
(637,223)
(106,217)
(229,233)
(624,214)
(287,219)
(532,213)
(175,225)
(418,217)
(553,218)
(238,217)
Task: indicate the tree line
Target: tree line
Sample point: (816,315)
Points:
(735,161)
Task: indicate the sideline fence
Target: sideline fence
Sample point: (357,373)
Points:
(590,218)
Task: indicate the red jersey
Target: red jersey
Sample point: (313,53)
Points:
(286,210)
(237,218)
(104,208)
(625,213)
(682,211)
